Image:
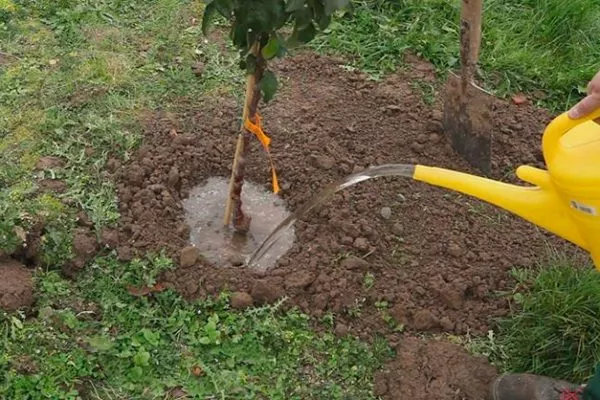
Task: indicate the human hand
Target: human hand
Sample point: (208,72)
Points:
(590,103)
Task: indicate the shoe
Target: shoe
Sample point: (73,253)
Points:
(533,387)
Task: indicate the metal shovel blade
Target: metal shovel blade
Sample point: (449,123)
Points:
(467,122)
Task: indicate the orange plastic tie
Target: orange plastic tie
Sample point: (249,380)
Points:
(256,129)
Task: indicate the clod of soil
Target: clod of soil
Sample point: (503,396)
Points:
(340,330)
(84,220)
(24,365)
(434,369)
(354,263)
(49,162)
(109,238)
(241,300)
(29,252)
(264,291)
(85,247)
(198,69)
(124,253)
(52,185)
(84,244)
(189,256)
(16,285)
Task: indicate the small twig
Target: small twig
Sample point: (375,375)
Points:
(84,313)
(368,254)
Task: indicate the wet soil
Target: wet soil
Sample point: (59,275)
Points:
(431,257)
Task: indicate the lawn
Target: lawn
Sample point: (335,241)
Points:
(76,78)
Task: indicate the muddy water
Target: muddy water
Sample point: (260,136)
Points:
(221,245)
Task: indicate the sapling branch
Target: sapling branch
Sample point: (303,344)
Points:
(233,209)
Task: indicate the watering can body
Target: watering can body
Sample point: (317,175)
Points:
(572,154)
(564,199)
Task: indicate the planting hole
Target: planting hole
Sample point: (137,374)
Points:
(221,245)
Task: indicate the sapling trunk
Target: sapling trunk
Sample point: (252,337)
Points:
(233,209)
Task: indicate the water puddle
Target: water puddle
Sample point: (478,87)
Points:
(221,245)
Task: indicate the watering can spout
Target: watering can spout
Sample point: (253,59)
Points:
(539,204)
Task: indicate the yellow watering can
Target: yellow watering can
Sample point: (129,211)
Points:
(565,199)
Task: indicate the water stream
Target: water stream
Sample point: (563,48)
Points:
(405,170)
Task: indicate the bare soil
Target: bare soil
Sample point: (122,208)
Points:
(16,285)
(433,369)
(429,258)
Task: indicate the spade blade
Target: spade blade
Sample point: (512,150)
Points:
(467,123)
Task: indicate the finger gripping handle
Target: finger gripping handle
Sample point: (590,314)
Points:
(558,127)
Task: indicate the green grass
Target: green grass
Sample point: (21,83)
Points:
(554,328)
(549,47)
(95,339)
(81,75)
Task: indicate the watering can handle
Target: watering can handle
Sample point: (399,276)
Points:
(558,127)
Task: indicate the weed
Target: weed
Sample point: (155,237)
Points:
(427,90)
(368,281)
(397,250)
(355,310)
(487,346)
(381,305)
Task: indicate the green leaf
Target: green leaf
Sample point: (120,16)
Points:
(225,8)
(272,48)
(306,34)
(282,45)
(249,64)
(238,36)
(16,322)
(210,329)
(268,85)
(209,14)
(293,5)
(142,358)
(152,338)
(321,17)
(137,373)
(332,5)
(100,343)
(204,340)
(303,17)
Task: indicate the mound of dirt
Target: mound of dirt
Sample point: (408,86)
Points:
(434,369)
(85,247)
(29,253)
(433,257)
(16,285)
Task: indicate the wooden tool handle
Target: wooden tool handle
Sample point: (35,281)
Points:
(470,37)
